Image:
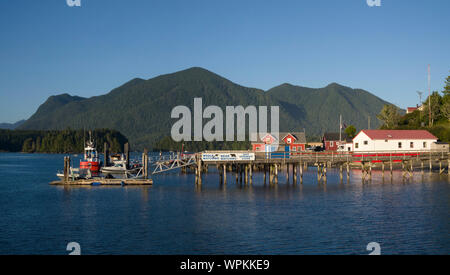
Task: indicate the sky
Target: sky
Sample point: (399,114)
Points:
(49,48)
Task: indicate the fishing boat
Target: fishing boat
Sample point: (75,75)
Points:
(91,159)
(89,165)
(119,166)
(74,173)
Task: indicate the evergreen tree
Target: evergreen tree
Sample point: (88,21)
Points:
(66,141)
(389,116)
(350,131)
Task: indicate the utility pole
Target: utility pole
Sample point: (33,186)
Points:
(368,124)
(340,128)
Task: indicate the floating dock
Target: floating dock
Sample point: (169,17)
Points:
(104,181)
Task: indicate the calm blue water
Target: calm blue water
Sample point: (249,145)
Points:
(175,217)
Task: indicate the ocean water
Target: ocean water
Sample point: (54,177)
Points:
(174,216)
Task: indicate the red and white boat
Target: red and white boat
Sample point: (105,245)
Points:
(91,159)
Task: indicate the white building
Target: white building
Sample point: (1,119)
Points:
(347,147)
(393,140)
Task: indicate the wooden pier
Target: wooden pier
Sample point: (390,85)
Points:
(295,163)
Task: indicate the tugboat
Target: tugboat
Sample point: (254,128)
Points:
(89,166)
(91,159)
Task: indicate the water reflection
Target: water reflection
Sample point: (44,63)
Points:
(177,216)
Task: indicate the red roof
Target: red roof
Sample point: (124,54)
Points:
(399,134)
(291,136)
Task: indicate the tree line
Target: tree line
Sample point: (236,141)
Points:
(168,144)
(433,115)
(58,141)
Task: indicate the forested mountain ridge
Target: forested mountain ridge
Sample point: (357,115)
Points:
(58,141)
(11,126)
(140,109)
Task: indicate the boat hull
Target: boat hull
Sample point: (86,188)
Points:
(94,166)
(117,170)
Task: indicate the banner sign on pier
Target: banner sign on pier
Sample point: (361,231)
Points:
(228,156)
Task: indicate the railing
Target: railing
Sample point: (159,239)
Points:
(330,156)
(352,156)
(170,157)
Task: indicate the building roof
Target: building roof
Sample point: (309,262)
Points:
(399,134)
(335,136)
(300,136)
(411,109)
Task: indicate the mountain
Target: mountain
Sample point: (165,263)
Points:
(11,126)
(141,109)
(47,116)
(318,110)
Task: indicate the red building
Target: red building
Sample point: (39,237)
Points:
(294,142)
(289,142)
(331,141)
(411,109)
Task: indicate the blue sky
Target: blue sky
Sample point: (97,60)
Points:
(48,48)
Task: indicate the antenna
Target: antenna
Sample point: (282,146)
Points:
(420,96)
(429,94)
(420,102)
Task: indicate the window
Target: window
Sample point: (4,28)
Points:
(289,140)
(356,145)
(424,145)
(386,140)
(366,142)
(331,143)
(411,145)
(399,145)
(294,148)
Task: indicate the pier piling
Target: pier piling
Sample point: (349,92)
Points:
(127,153)
(295,173)
(145,163)
(105,155)
(276,173)
(225,174)
(66,168)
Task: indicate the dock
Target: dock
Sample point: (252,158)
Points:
(242,164)
(295,163)
(103,181)
(143,178)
